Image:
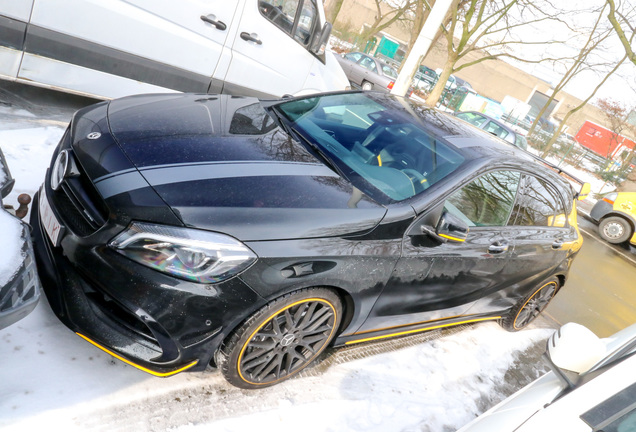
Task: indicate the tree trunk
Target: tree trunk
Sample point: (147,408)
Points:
(334,10)
(435,94)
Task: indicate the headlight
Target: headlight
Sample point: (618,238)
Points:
(190,254)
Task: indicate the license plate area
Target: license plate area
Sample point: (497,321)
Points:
(54,229)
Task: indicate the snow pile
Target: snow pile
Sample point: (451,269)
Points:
(11,254)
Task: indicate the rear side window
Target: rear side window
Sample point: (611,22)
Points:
(487,200)
(539,204)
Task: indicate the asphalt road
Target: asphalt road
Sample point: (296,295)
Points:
(601,290)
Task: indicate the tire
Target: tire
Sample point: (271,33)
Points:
(280,339)
(528,308)
(366,85)
(615,229)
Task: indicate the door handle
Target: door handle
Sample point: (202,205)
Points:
(220,25)
(557,244)
(498,247)
(252,37)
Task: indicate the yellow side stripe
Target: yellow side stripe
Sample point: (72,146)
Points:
(379,161)
(420,330)
(451,238)
(117,356)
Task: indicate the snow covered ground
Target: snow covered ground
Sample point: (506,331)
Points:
(53,380)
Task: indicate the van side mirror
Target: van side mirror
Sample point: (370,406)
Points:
(320,43)
(6,181)
(573,350)
(452,228)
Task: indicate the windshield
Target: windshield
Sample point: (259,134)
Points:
(375,141)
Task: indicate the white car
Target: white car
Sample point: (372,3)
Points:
(592,387)
(109,49)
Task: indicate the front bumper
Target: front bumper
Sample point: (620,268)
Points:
(20,295)
(150,320)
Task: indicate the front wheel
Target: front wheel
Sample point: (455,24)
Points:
(280,339)
(528,308)
(615,230)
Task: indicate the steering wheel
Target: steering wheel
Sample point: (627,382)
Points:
(419,181)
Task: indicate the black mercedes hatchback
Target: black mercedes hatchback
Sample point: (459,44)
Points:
(179,231)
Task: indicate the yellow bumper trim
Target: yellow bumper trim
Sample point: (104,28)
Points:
(118,357)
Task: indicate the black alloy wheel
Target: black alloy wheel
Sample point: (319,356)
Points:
(280,339)
(615,230)
(527,309)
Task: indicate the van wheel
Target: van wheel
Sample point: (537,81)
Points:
(280,339)
(614,230)
(366,85)
(528,308)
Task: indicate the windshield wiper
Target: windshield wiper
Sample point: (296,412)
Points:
(323,155)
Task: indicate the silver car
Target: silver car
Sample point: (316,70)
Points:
(367,72)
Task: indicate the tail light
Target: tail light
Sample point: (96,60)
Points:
(390,86)
(610,197)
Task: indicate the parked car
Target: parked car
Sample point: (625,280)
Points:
(117,48)
(591,387)
(615,214)
(495,127)
(368,73)
(175,231)
(425,77)
(19,283)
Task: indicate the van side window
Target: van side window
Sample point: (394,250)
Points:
(285,15)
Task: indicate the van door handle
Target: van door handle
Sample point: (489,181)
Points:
(498,247)
(220,25)
(252,37)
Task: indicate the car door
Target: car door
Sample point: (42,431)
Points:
(115,48)
(271,48)
(434,280)
(14,16)
(350,62)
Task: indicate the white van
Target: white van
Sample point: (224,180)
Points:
(108,49)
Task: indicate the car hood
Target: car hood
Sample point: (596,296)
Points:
(221,163)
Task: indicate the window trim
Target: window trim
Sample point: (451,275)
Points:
(295,25)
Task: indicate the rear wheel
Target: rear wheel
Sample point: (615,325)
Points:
(615,230)
(280,339)
(528,308)
(366,85)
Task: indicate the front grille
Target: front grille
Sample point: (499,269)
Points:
(79,205)
(25,284)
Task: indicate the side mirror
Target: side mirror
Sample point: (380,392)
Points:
(452,228)
(320,43)
(573,350)
(6,181)
(584,192)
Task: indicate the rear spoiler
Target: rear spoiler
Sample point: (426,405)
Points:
(585,188)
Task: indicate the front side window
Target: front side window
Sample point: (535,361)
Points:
(285,15)
(472,118)
(495,129)
(539,205)
(369,63)
(487,200)
(354,57)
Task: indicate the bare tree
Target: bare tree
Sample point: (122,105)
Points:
(387,13)
(577,108)
(491,26)
(620,19)
(596,36)
(333,10)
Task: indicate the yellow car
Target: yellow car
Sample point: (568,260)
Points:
(616,217)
